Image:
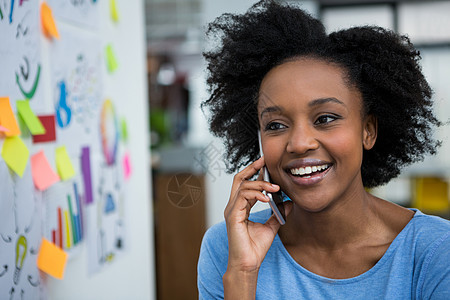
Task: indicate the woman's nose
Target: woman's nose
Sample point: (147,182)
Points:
(302,140)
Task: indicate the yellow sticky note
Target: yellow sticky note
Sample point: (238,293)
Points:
(48,22)
(63,163)
(7,118)
(15,153)
(31,120)
(114,11)
(51,259)
(111,61)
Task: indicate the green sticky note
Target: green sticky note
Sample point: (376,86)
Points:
(31,120)
(63,164)
(15,153)
(111,61)
(124,130)
(114,11)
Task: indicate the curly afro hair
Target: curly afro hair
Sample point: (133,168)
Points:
(382,65)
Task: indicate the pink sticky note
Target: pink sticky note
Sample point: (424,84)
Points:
(42,172)
(126,166)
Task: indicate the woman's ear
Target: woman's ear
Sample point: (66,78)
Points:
(370,131)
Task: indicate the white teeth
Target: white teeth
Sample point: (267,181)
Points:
(308,170)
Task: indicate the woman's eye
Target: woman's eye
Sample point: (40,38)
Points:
(274,126)
(325,119)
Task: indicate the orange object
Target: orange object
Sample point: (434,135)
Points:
(7,118)
(48,22)
(52,259)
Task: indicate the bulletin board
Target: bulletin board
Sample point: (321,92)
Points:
(68,141)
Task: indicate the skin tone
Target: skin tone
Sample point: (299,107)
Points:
(311,119)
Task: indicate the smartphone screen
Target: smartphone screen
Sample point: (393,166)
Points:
(276,199)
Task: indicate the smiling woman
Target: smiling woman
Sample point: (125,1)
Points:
(337,113)
(317,122)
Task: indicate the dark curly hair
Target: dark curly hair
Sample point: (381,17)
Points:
(381,64)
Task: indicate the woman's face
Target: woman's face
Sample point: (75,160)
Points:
(313,132)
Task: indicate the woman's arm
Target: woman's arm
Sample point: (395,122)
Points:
(248,242)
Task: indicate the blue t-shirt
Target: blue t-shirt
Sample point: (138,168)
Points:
(415,266)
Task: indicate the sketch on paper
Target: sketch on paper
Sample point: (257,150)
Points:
(106,215)
(76,85)
(63,214)
(20,233)
(20,55)
(81,12)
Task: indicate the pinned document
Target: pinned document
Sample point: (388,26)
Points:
(48,22)
(15,153)
(42,172)
(52,259)
(33,123)
(111,61)
(7,118)
(63,163)
(123,130)
(49,123)
(126,166)
(114,11)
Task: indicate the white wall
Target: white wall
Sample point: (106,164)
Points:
(131,276)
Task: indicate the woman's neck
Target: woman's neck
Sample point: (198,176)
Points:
(347,221)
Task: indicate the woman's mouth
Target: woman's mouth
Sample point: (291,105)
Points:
(309,171)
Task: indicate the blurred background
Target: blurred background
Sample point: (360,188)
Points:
(190,186)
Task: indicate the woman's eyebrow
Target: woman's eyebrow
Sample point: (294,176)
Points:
(321,101)
(271,109)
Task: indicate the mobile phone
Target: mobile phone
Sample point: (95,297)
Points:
(276,199)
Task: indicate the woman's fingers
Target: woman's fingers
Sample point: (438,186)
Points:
(241,184)
(273,223)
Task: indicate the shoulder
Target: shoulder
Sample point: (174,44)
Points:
(428,228)
(427,233)
(432,243)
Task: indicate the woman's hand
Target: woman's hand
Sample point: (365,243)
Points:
(248,242)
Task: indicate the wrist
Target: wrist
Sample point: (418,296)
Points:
(240,284)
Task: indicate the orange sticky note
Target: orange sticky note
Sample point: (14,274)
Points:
(7,118)
(3,129)
(15,153)
(51,259)
(42,173)
(48,22)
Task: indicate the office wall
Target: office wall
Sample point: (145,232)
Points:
(130,275)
